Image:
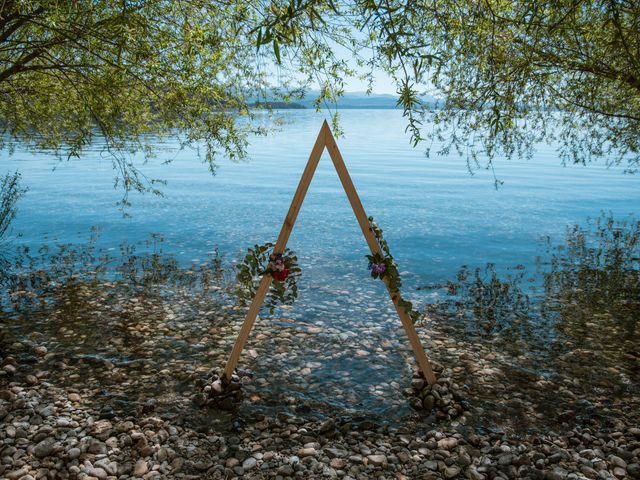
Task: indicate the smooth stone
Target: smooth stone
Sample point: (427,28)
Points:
(328,426)
(617,462)
(633,469)
(286,470)
(231,462)
(451,472)
(335,452)
(140,468)
(307,452)
(40,350)
(448,443)
(249,464)
(74,453)
(428,403)
(44,448)
(17,473)
(96,472)
(377,460)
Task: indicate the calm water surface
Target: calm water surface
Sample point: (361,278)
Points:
(435,215)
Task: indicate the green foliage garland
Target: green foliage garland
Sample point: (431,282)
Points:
(383,266)
(256,263)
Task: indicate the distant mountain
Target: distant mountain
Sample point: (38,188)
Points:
(363,100)
(275,105)
(350,100)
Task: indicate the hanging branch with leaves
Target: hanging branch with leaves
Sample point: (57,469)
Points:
(383,266)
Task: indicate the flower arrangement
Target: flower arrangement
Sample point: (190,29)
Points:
(383,266)
(278,267)
(260,260)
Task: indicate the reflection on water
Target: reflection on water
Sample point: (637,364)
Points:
(144,329)
(592,287)
(584,293)
(483,303)
(53,274)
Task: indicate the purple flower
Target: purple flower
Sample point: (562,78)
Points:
(378,268)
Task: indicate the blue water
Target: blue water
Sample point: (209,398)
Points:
(435,215)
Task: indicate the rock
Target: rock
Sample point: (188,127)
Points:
(16,474)
(44,448)
(217,387)
(101,427)
(7,395)
(99,473)
(506,459)
(327,426)
(286,470)
(633,469)
(307,452)
(231,462)
(337,463)
(335,452)
(377,460)
(140,468)
(73,453)
(620,472)
(204,465)
(249,464)
(451,472)
(428,403)
(40,350)
(108,466)
(97,447)
(74,397)
(617,462)
(448,443)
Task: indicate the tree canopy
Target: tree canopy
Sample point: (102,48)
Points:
(509,74)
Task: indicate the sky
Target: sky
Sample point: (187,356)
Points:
(383,84)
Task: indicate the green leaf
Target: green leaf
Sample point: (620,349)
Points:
(276,51)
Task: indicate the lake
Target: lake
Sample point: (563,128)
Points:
(436,216)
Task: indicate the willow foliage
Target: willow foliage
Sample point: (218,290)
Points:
(509,74)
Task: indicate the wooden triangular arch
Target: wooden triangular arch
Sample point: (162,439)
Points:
(325,139)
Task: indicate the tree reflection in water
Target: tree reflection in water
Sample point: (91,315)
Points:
(592,287)
(582,295)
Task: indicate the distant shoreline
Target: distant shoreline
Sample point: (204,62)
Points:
(347,101)
(297,106)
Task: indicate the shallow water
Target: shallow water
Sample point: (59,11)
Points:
(435,216)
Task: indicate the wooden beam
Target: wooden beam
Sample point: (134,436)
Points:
(281,244)
(374,247)
(325,139)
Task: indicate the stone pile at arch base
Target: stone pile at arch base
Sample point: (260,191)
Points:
(223,388)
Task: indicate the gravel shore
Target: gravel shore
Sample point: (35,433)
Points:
(47,431)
